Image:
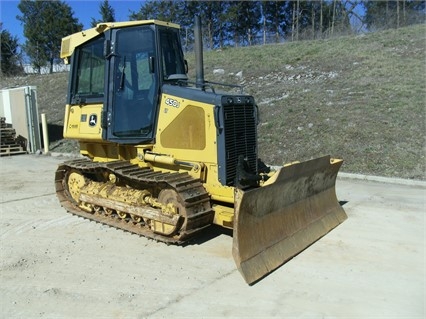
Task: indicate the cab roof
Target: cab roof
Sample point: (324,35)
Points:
(69,43)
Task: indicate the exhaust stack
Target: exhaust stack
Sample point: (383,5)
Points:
(198,48)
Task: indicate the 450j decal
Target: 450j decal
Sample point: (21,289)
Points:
(172,102)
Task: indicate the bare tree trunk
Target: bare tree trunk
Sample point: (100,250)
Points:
(297,21)
(277,27)
(321,19)
(397,14)
(386,24)
(333,18)
(313,21)
(51,63)
(294,21)
(210,35)
(38,66)
(404,13)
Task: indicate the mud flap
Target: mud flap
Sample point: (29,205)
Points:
(275,222)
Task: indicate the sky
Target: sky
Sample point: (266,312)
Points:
(84,11)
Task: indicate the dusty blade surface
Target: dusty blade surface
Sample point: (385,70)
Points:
(275,222)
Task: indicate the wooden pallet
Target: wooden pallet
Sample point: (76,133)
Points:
(10,144)
(7,133)
(3,123)
(8,150)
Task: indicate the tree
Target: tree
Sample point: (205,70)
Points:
(243,19)
(311,19)
(45,24)
(212,15)
(10,57)
(393,14)
(165,10)
(340,19)
(107,13)
(275,18)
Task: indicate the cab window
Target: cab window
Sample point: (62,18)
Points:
(90,75)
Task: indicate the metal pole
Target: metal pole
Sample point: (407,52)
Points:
(198,48)
(45,135)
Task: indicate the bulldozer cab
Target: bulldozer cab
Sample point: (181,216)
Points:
(124,69)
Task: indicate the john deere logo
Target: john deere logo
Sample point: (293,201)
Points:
(93,119)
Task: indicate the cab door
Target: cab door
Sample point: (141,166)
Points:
(133,92)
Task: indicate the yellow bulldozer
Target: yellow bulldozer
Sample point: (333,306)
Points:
(166,157)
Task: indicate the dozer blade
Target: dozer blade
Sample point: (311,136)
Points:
(275,222)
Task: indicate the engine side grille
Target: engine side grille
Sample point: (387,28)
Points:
(240,138)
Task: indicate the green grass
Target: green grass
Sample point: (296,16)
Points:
(360,98)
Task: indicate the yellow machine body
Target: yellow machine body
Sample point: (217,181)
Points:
(274,214)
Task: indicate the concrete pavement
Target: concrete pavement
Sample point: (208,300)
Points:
(55,265)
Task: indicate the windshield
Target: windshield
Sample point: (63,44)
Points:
(135,84)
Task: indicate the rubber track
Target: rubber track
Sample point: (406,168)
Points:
(196,199)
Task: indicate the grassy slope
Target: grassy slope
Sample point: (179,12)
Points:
(361,98)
